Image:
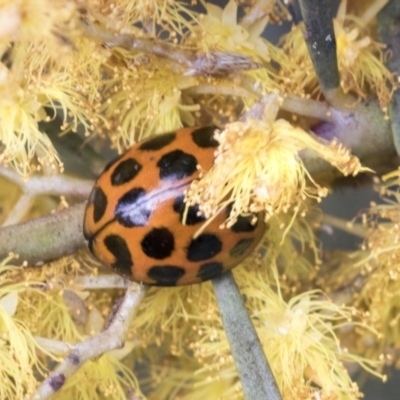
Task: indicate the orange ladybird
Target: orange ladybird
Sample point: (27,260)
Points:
(133,219)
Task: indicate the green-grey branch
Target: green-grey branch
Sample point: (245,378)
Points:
(46,238)
(389,33)
(255,374)
(321,43)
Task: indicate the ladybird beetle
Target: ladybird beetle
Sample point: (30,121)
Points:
(133,219)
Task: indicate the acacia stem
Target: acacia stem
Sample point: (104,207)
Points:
(101,282)
(389,32)
(21,208)
(255,374)
(57,185)
(214,63)
(354,229)
(321,43)
(46,238)
(307,107)
(291,103)
(113,337)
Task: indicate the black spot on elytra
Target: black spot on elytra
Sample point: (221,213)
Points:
(99,200)
(210,271)
(159,243)
(158,142)
(176,165)
(165,275)
(243,224)
(204,137)
(204,247)
(133,209)
(125,171)
(117,246)
(192,216)
(56,381)
(241,247)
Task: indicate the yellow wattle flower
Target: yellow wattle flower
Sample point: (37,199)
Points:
(360,61)
(32,84)
(257,168)
(144,100)
(20,136)
(18,350)
(300,337)
(380,265)
(36,20)
(175,17)
(43,69)
(219,30)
